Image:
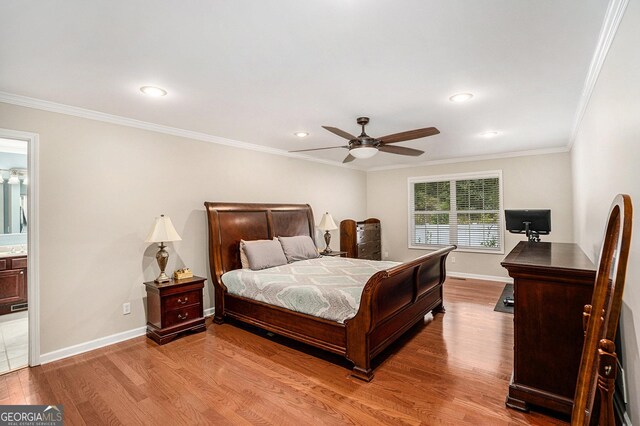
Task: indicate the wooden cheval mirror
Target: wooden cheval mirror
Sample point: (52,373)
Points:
(598,366)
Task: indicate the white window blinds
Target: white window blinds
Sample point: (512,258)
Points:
(458,209)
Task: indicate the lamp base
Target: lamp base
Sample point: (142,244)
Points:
(327,240)
(162,257)
(162,278)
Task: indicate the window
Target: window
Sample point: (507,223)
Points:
(462,209)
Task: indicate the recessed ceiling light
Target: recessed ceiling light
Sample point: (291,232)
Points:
(489,134)
(153,91)
(301,134)
(461,97)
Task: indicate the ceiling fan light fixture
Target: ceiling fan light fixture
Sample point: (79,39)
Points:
(461,97)
(363,152)
(301,134)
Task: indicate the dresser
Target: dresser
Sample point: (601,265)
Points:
(13,284)
(552,283)
(174,307)
(361,240)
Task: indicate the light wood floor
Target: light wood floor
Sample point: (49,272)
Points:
(453,369)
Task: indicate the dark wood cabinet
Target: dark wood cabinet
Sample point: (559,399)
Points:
(552,283)
(13,284)
(361,239)
(173,308)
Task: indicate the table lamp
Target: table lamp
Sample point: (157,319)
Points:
(327,224)
(162,231)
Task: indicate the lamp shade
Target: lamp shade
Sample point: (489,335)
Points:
(162,231)
(327,223)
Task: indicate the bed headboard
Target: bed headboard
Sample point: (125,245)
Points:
(231,222)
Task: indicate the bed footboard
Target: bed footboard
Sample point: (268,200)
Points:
(392,302)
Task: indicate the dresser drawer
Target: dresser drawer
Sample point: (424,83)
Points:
(182,300)
(368,226)
(178,316)
(368,250)
(4,264)
(368,235)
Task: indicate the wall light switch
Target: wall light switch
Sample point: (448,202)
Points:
(126,308)
(453,259)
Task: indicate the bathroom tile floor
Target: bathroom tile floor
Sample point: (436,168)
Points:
(14,341)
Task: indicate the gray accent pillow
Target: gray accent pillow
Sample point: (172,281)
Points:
(243,257)
(300,247)
(264,254)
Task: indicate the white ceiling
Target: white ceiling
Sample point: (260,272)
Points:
(257,71)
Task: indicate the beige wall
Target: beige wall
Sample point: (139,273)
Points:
(528,182)
(101,185)
(606,161)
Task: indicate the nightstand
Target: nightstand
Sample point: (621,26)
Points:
(174,307)
(335,254)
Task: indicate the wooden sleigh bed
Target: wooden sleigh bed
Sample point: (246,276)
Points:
(393,300)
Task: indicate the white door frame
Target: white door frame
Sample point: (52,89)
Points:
(33,238)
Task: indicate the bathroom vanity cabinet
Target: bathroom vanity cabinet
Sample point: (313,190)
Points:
(13,284)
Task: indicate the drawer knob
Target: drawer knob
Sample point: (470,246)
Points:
(183,317)
(182,302)
(21,272)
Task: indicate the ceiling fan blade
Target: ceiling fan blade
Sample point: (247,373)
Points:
(409,135)
(340,133)
(349,158)
(318,149)
(400,150)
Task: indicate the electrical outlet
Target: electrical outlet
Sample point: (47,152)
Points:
(386,254)
(453,259)
(126,308)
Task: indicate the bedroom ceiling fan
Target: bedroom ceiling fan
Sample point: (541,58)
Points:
(365,146)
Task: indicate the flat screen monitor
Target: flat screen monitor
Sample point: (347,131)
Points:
(531,222)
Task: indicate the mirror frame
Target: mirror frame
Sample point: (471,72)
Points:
(601,317)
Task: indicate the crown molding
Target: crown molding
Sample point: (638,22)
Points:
(545,151)
(40,104)
(613,17)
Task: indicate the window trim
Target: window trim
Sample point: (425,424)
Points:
(455,176)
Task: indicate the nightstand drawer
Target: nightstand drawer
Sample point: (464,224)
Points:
(182,300)
(178,316)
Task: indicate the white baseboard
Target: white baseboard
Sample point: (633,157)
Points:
(99,343)
(480,277)
(91,345)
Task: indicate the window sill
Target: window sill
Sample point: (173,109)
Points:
(464,250)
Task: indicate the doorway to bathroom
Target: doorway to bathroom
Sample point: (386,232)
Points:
(14,297)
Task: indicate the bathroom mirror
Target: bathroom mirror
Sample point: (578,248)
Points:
(13,189)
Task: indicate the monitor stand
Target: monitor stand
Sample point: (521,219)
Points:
(533,236)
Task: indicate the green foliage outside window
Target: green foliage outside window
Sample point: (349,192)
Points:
(472,218)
